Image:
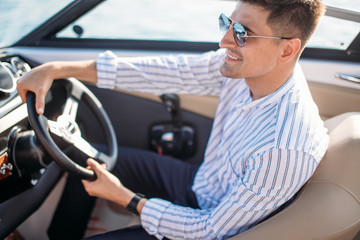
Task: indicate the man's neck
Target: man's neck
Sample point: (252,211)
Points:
(265,85)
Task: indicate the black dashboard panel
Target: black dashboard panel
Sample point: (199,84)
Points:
(12,181)
(15,132)
(24,184)
(13,117)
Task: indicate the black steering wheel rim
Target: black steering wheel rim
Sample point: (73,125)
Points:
(40,126)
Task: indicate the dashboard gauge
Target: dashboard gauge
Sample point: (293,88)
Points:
(7,78)
(20,66)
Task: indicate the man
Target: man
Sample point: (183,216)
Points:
(267,138)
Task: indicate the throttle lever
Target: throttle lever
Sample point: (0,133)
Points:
(172,105)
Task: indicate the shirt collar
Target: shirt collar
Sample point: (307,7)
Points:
(274,96)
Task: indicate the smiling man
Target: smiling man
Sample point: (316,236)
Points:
(267,138)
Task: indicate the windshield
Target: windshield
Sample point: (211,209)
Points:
(158,20)
(19,17)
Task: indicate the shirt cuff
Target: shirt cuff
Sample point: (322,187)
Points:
(106,70)
(151,215)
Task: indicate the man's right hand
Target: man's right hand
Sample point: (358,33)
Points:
(39,81)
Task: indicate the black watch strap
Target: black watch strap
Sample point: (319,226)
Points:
(133,203)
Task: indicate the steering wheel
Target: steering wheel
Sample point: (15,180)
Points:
(66,128)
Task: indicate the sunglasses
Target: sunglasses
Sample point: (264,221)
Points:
(239,32)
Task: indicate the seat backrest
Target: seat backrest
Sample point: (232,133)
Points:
(328,205)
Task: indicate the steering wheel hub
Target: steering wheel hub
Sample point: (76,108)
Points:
(69,128)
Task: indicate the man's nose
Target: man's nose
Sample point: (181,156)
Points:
(228,40)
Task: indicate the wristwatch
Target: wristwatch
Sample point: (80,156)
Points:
(134,202)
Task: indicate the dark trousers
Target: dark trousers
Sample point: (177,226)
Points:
(140,171)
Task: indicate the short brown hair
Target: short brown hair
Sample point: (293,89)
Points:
(292,18)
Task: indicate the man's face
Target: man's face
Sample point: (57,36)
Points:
(258,57)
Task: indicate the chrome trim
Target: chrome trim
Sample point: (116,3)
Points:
(347,77)
(342,14)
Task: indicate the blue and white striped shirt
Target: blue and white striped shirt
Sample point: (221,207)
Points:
(259,153)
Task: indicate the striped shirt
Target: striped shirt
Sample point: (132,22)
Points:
(259,153)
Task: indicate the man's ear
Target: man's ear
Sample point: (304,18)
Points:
(290,50)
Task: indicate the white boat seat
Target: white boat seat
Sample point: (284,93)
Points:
(328,205)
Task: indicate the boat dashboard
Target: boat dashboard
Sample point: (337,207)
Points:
(27,173)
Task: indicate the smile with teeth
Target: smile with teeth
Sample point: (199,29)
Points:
(232,57)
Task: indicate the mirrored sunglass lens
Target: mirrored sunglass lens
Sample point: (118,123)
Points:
(239,29)
(224,23)
(239,34)
(239,38)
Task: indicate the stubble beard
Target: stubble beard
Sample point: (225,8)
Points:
(229,71)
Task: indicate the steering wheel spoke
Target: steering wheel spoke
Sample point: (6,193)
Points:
(85,147)
(54,128)
(71,108)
